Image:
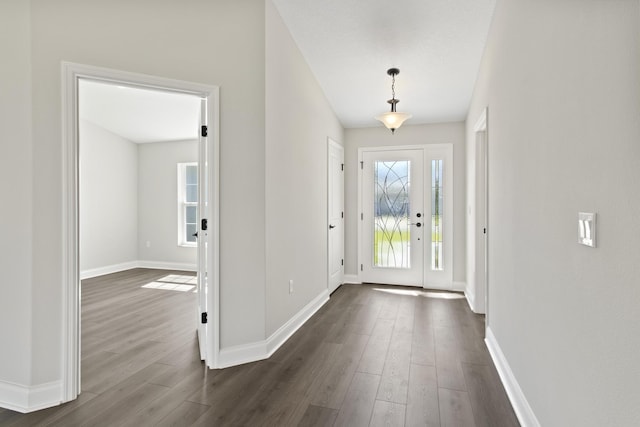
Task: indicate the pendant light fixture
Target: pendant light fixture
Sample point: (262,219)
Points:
(393,120)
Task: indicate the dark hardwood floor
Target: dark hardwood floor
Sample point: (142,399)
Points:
(373,355)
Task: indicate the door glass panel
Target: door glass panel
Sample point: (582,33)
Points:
(391,242)
(437,203)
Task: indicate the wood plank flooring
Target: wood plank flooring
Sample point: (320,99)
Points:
(373,355)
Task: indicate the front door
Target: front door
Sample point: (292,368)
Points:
(406,216)
(392,217)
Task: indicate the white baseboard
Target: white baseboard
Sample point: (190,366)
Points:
(26,399)
(459,286)
(351,278)
(253,352)
(101,271)
(283,333)
(115,268)
(471,299)
(161,265)
(518,400)
(241,354)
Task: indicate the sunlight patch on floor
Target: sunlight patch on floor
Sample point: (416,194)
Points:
(422,293)
(174,282)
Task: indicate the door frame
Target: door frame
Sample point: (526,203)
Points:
(481,219)
(331,144)
(71,73)
(449,176)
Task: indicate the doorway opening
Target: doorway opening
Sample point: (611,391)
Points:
(207,212)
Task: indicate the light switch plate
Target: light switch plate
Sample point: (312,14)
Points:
(587,229)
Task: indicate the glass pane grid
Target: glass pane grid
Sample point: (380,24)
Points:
(391,242)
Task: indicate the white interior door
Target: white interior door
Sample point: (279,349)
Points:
(392,217)
(203,232)
(335,244)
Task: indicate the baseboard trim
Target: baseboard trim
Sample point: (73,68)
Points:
(241,354)
(101,271)
(157,265)
(26,399)
(162,265)
(459,286)
(351,279)
(260,350)
(471,299)
(518,400)
(285,331)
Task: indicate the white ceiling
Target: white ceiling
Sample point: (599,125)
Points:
(350,44)
(140,115)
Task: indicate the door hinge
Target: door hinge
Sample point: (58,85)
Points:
(484,230)
(342,167)
(361,165)
(341,214)
(342,262)
(361,216)
(203,317)
(361,268)
(204,224)
(204,130)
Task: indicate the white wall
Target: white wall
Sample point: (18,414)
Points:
(407,135)
(108,198)
(562,83)
(16,190)
(157,220)
(166,39)
(296,176)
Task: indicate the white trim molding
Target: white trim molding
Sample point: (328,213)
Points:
(156,265)
(459,286)
(518,400)
(260,350)
(108,269)
(285,331)
(162,265)
(26,399)
(351,279)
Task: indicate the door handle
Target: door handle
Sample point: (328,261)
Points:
(331,227)
(195,234)
(417,224)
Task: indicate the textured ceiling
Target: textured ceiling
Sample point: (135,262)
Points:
(350,44)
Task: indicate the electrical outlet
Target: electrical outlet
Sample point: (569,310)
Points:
(290,286)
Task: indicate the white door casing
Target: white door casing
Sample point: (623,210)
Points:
(335,214)
(70,342)
(203,231)
(419,269)
(481,215)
